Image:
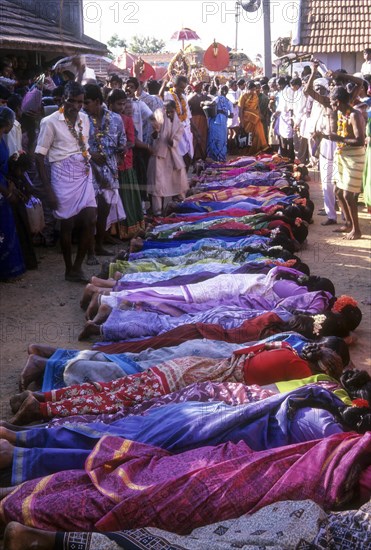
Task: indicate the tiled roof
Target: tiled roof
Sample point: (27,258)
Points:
(334,26)
(22,29)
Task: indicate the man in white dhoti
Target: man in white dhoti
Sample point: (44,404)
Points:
(318,89)
(64,139)
(185,145)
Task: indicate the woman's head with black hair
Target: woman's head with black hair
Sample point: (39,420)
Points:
(282,239)
(300,231)
(315,283)
(358,384)
(323,359)
(19,165)
(298,211)
(339,346)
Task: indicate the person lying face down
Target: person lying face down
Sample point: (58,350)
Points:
(258,364)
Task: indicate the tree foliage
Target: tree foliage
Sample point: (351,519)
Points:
(146,44)
(116,42)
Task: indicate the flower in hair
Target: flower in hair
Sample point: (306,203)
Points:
(318,321)
(343,301)
(360,403)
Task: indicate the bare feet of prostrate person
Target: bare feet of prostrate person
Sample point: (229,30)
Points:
(93,306)
(6,454)
(41,349)
(136,244)
(89,330)
(28,404)
(92,288)
(33,371)
(20,537)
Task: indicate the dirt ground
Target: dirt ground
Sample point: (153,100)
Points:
(43,308)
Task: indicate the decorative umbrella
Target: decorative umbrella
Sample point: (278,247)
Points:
(125,60)
(146,71)
(216,57)
(185,34)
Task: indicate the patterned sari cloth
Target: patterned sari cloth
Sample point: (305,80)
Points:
(298,525)
(128,485)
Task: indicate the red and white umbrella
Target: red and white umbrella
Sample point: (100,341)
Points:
(125,60)
(185,34)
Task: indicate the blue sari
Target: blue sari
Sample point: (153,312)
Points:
(11,259)
(218,131)
(282,419)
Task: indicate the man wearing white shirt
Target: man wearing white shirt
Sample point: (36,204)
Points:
(299,101)
(366,66)
(185,146)
(283,119)
(64,139)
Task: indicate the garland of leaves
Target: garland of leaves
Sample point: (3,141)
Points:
(79,138)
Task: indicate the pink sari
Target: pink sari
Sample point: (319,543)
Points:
(127,485)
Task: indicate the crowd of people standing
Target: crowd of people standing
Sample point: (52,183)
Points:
(110,154)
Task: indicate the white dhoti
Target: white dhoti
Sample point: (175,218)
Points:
(72,185)
(186,142)
(326,167)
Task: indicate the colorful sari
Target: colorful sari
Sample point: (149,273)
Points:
(218,131)
(11,259)
(263,363)
(128,485)
(261,419)
(251,121)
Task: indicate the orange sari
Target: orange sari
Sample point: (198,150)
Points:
(251,121)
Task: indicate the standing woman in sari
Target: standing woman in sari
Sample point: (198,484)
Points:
(250,119)
(128,181)
(11,259)
(218,130)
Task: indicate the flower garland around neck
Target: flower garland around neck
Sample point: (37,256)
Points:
(100,132)
(79,138)
(181,107)
(342,128)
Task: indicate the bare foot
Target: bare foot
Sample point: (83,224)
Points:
(28,411)
(76,277)
(90,329)
(93,307)
(352,235)
(32,371)
(102,314)
(11,427)
(41,349)
(7,434)
(102,283)
(17,400)
(343,229)
(103,252)
(6,454)
(117,275)
(88,293)
(92,260)
(136,244)
(20,537)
